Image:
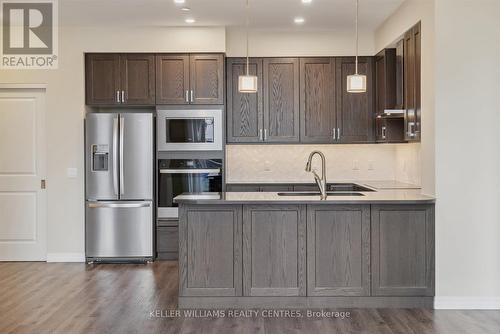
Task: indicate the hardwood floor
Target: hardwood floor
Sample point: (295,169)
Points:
(117,298)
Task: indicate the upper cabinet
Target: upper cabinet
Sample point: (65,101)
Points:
(245,119)
(120,79)
(172,79)
(190,79)
(385,80)
(281,100)
(355,116)
(318,117)
(412,40)
(146,79)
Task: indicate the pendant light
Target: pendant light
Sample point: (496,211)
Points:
(247,83)
(356,83)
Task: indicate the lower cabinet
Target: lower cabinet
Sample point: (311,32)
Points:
(402,250)
(338,250)
(167,241)
(210,251)
(315,250)
(274,254)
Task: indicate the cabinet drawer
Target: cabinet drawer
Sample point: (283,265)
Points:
(167,239)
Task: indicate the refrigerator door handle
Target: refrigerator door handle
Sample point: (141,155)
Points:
(115,155)
(95,205)
(122,126)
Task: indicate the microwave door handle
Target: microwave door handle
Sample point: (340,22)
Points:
(122,126)
(115,155)
(190,171)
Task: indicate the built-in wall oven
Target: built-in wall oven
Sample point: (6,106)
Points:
(177,176)
(189,130)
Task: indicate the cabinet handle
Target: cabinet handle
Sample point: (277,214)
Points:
(123,96)
(260,135)
(265,134)
(411,129)
(187,96)
(384,130)
(338,133)
(334,134)
(118,96)
(192,96)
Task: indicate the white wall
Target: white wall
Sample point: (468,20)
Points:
(468,151)
(275,43)
(66,110)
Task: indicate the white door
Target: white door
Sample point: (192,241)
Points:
(23,231)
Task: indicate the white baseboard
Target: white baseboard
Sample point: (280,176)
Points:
(65,257)
(467,303)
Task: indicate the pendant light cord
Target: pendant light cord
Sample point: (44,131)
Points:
(247,24)
(357,38)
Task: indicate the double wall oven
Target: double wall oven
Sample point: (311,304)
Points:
(190,146)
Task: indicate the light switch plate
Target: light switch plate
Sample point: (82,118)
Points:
(72,172)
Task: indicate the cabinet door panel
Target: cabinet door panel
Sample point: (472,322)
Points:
(102,79)
(355,117)
(274,250)
(281,99)
(210,264)
(207,79)
(317,100)
(172,79)
(137,72)
(244,110)
(403,250)
(338,249)
(412,56)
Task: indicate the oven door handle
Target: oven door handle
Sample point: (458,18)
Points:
(190,171)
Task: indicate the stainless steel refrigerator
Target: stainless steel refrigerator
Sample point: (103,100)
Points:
(119,187)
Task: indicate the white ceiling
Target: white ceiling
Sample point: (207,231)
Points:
(267,14)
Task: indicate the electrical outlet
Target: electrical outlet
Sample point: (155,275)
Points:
(355,165)
(371,165)
(72,173)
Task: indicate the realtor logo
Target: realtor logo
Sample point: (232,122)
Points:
(29,34)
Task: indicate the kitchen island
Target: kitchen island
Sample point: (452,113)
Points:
(279,250)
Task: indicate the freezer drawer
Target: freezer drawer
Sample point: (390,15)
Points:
(119,229)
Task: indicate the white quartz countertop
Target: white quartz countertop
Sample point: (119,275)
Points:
(381,196)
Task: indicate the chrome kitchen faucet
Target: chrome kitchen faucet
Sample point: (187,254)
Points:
(320,181)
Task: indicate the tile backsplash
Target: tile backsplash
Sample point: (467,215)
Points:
(285,163)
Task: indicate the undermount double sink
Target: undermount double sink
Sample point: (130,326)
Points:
(333,189)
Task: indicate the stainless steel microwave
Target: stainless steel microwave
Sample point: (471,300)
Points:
(189,129)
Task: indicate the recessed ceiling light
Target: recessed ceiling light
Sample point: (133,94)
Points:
(299,20)
(190,20)
(179,2)
(306,1)
(185,9)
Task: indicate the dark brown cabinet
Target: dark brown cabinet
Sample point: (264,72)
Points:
(167,240)
(281,100)
(412,40)
(390,130)
(355,116)
(245,119)
(120,79)
(190,79)
(318,117)
(385,80)
(402,250)
(172,79)
(102,79)
(302,99)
